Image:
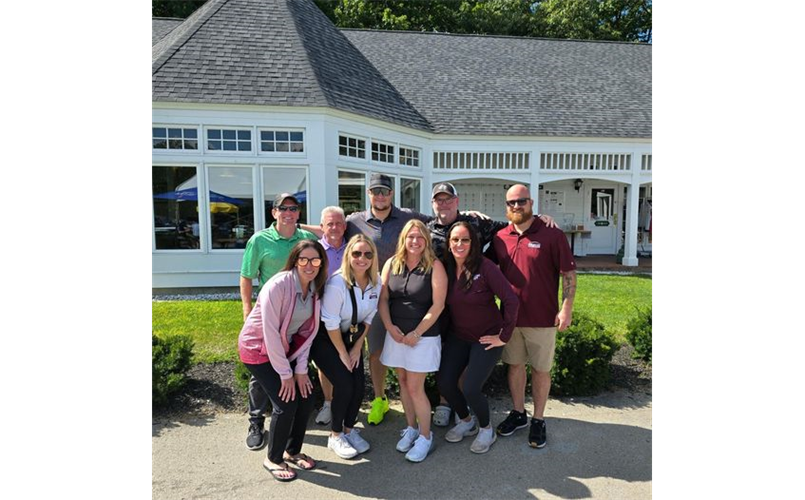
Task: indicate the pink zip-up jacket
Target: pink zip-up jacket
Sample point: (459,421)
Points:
(263,337)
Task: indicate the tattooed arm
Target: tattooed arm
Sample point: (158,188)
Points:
(565,316)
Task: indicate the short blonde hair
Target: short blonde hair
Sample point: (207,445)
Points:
(346,269)
(428,256)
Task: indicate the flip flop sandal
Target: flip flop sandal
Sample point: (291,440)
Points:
(276,471)
(299,461)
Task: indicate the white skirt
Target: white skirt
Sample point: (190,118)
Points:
(424,357)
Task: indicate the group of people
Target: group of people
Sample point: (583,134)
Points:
(421,293)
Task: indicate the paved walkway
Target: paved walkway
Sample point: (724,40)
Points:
(598,447)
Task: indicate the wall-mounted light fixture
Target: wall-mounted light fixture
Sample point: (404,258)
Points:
(577,184)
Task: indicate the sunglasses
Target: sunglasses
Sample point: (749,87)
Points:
(463,241)
(519,201)
(302,261)
(380,191)
(355,254)
(286,208)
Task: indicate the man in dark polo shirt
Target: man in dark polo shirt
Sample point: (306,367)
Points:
(444,200)
(383,223)
(532,256)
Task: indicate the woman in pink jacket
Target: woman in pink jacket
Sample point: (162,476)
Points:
(274,344)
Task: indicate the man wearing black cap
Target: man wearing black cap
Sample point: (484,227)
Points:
(444,200)
(265,254)
(383,223)
(445,209)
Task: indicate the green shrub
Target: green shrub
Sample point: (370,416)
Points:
(638,333)
(583,354)
(171,357)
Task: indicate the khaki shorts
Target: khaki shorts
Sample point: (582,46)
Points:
(531,345)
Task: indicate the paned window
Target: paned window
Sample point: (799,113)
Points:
(382,152)
(175,199)
(409,157)
(229,140)
(174,138)
(231,206)
(278,180)
(351,146)
(351,191)
(409,193)
(282,141)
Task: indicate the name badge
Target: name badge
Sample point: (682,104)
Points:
(534,244)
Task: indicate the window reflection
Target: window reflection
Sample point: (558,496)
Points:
(175,200)
(409,193)
(285,180)
(231,206)
(351,191)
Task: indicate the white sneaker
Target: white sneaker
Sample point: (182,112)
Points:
(357,442)
(341,446)
(421,448)
(458,432)
(409,435)
(484,440)
(325,414)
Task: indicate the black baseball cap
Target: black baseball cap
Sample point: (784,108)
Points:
(444,187)
(380,181)
(284,196)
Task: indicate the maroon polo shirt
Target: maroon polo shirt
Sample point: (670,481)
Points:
(532,262)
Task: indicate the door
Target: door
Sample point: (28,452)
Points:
(602,221)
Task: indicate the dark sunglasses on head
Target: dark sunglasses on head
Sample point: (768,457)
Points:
(368,255)
(315,261)
(519,201)
(286,208)
(383,191)
(456,241)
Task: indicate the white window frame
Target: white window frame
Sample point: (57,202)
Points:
(201,220)
(402,159)
(206,207)
(167,148)
(393,155)
(421,186)
(290,130)
(262,218)
(209,151)
(366,150)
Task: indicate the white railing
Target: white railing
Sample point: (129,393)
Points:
(465,160)
(610,162)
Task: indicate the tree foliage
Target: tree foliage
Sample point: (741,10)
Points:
(623,20)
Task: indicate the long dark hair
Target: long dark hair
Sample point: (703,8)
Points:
(474,258)
(321,278)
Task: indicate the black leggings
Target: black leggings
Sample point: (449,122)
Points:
(456,355)
(347,386)
(288,420)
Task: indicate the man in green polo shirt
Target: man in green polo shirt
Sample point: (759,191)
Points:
(265,254)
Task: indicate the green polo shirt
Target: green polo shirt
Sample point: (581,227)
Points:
(267,251)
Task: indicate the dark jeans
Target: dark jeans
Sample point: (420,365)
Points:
(456,355)
(288,420)
(348,386)
(258,403)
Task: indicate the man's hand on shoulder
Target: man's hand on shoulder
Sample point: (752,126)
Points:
(475,213)
(548,220)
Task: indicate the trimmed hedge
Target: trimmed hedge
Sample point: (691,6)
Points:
(171,357)
(583,355)
(638,333)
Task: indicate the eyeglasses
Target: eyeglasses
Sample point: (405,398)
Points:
(355,254)
(519,201)
(463,241)
(380,191)
(444,201)
(288,208)
(302,261)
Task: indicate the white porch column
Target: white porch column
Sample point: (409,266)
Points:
(632,208)
(534,165)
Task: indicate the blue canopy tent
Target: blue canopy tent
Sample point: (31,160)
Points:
(191,194)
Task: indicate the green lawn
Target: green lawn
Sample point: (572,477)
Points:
(215,325)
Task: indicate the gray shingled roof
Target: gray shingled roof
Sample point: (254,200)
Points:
(271,52)
(161,26)
(469,84)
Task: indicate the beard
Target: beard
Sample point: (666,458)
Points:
(520,217)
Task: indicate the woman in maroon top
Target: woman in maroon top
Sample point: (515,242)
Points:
(478,331)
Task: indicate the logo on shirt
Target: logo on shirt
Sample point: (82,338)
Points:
(534,244)
(372,295)
(476,277)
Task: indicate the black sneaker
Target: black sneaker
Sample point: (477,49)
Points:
(514,421)
(256,438)
(537,437)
